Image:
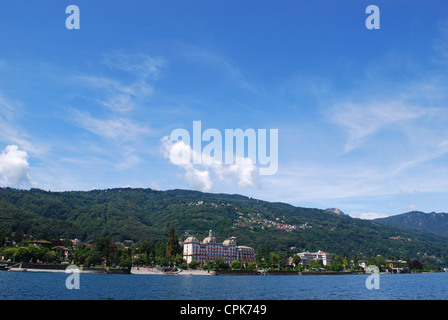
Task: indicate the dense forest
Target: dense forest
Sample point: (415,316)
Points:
(434,221)
(147,215)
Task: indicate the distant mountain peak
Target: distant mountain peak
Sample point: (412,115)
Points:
(337,211)
(433,221)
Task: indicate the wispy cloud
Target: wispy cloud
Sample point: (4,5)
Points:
(441,43)
(6,108)
(108,107)
(12,132)
(116,96)
(140,65)
(123,95)
(117,128)
(203,56)
(363,120)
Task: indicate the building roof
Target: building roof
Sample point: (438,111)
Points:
(245,247)
(41,241)
(191,240)
(229,242)
(210,238)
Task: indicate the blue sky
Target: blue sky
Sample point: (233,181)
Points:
(362,114)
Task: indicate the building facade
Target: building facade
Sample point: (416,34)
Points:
(210,250)
(307,257)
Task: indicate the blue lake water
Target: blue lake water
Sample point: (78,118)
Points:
(52,286)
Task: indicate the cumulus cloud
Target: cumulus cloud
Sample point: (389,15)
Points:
(243,170)
(14,167)
(197,179)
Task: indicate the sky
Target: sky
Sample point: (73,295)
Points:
(361,113)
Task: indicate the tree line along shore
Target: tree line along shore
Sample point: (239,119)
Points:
(104,255)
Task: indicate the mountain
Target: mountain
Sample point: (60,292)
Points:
(337,211)
(434,222)
(146,214)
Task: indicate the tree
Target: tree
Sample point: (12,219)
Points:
(142,259)
(416,265)
(18,235)
(236,265)
(263,256)
(148,248)
(335,267)
(2,238)
(36,252)
(221,264)
(296,260)
(314,264)
(160,250)
(126,262)
(193,264)
(380,262)
(172,246)
(345,262)
(9,253)
(22,254)
(259,256)
(251,266)
(274,259)
(106,248)
(82,256)
(50,256)
(210,265)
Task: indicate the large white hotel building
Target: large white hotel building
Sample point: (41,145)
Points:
(210,249)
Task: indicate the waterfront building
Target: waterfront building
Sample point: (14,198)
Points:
(210,249)
(307,257)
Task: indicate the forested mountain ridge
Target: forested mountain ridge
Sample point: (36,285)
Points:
(434,222)
(146,214)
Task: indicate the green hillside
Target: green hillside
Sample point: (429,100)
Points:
(145,214)
(434,222)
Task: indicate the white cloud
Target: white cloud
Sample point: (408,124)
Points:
(367,215)
(119,128)
(123,96)
(362,120)
(114,95)
(14,167)
(244,171)
(441,43)
(6,108)
(216,60)
(413,207)
(121,102)
(138,64)
(197,179)
(11,132)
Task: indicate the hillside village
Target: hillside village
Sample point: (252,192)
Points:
(131,227)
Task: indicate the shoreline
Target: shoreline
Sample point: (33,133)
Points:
(61,268)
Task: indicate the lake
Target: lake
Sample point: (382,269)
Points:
(52,286)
